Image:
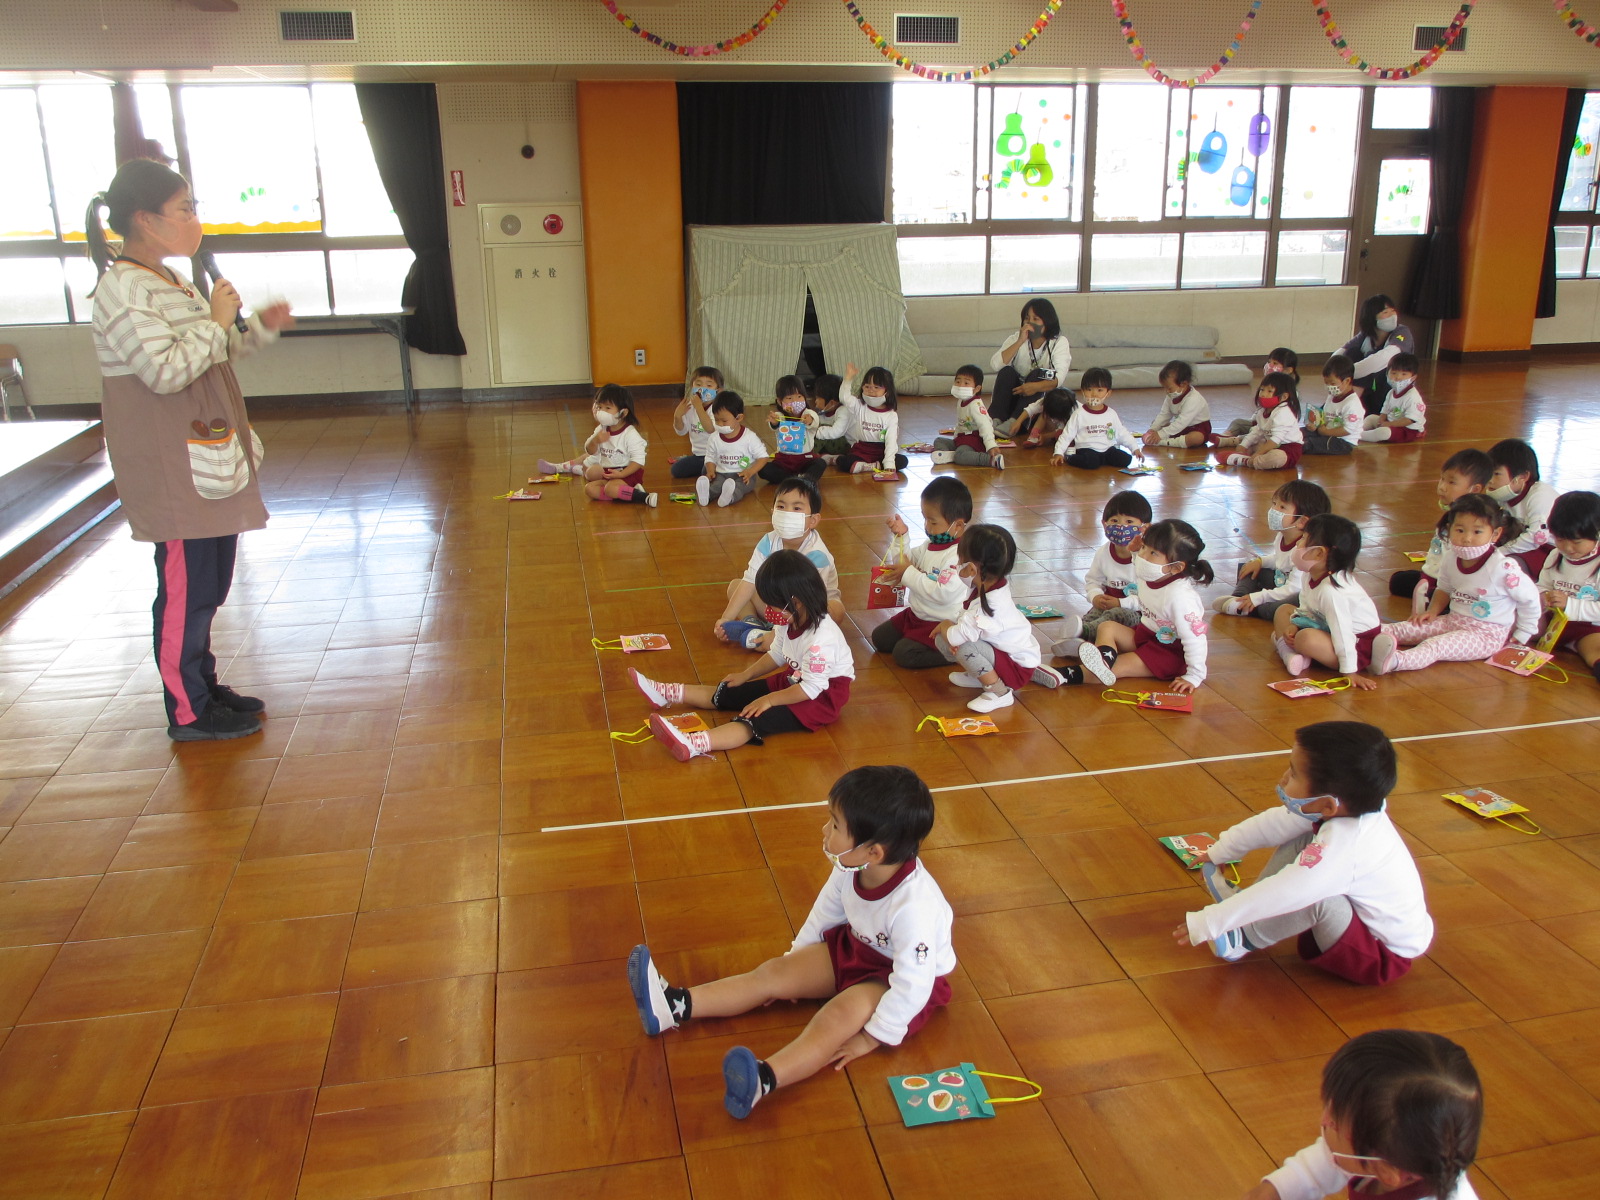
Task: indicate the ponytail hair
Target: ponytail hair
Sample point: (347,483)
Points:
(993,551)
(1180,542)
(1284,387)
(140,185)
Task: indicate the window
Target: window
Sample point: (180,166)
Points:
(1402,196)
(1402,107)
(1224,259)
(1035,263)
(932,160)
(1319,165)
(945,266)
(1311,256)
(1579,196)
(1125,261)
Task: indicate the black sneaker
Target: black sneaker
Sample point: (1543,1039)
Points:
(217,724)
(224,695)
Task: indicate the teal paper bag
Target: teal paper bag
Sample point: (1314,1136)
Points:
(949,1094)
(791,437)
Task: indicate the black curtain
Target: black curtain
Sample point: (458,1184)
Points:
(1569,134)
(402,122)
(783,153)
(1436,287)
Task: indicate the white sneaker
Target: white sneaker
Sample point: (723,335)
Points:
(702,491)
(726,498)
(649,993)
(1227,605)
(1094,663)
(1071,627)
(940,457)
(862,468)
(650,499)
(1230,946)
(1297,664)
(659,694)
(1385,649)
(1048,676)
(1067,647)
(1216,882)
(962,679)
(989,701)
(999,461)
(546,467)
(1236,459)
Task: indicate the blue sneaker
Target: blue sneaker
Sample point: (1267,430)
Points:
(745,633)
(741,1081)
(1217,882)
(649,993)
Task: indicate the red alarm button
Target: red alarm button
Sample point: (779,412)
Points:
(554,224)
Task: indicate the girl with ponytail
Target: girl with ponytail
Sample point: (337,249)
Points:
(176,429)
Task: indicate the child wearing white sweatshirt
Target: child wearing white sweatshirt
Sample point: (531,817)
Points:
(1274,440)
(1184,419)
(974,443)
(1570,580)
(1095,435)
(1335,621)
(930,573)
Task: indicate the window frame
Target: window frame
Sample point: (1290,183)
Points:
(1587,218)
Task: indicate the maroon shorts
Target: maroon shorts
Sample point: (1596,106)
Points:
(632,479)
(1294,450)
(1533,560)
(855,962)
(819,711)
(1356,956)
(971,441)
(1204,427)
(1364,647)
(1574,632)
(914,627)
(869,452)
(795,464)
(1011,673)
(1165,660)
(1405,433)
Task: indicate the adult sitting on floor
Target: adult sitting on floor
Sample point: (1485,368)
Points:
(1379,337)
(1029,365)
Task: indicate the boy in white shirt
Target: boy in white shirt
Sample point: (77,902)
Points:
(1269,581)
(1570,581)
(1184,419)
(931,576)
(692,419)
(1333,424)
(1112,581)
(1340,880)
(1095,435)
(796,512)
(876,946)
(973,444)
(1404,416)
(735,457)
(1516,484)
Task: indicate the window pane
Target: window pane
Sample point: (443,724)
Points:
(1402,107)
(1121,261)
(81,279)
(369,281)
(1319,158)
(357,204)
(250,151)
(1570,242)
(1402,196)
(154,102)
(1577,194)
(935,266)
(1130,156)
(1032,169)
(25,198)
(1225,155)
(1594,255)
(78,134)
(296,276)
(1224,259)
(932,168)
(1311,256)
(1047,263)
(31,292)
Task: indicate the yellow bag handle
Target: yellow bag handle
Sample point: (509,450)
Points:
(1506,819)
(1115,696)
(897,540)
(1550,666)
(635,737)
(938,723)
(1338,683)
(1038,1090)
(614,644)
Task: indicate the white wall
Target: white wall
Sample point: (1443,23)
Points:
(1577,316)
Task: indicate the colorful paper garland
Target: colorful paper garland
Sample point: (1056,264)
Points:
(1331,30)
(1131,35)
(733,43)
(1580,27)
(966,74)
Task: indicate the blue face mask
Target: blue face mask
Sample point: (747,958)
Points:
(1297,804)
(1121,535)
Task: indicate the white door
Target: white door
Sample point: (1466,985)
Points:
(540,324)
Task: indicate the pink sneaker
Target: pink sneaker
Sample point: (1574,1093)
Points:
(684,746)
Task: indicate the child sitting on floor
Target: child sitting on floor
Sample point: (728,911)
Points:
(874,423)
(735,457)
(1282,361)
(1463,472)
(790,408)
(834,418)
(1570,581)
(1184,419)
(1044,418)
(1274,440)
(692,419)
(1334,621)
(930,574)
(614,454)
(1270,580)
(1333,424)
(1111,585)
(973,445)
(1095,435)
(1404,416)
(875,947)
(1517,485)
(809,663)
(796,512)
(1340,878)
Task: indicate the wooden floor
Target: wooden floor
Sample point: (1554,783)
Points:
(344,959)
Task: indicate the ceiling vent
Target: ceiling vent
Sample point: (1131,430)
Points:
(912,30)
(1428,37)
(320,26)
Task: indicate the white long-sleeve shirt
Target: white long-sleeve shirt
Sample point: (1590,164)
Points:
(1361,858)
(1499,592)
(934,588)
(907,920)
(1532,508)
(1004,629)
(973,417)
(811,546)
(1407,406)
(1314,1173)
(625,445)
(1174,416)
(815,657)
(1101,430)
(1284,580)
(1055,355)
(689,425)
(739,454)
(1578,581)
(1174,613)
(1345,411)
(1276,424)
(1109,575)
(1346,609)
(868,424)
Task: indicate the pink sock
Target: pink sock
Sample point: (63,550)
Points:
(624,491)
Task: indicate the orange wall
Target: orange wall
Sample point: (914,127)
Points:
(1506,217)
(633,230)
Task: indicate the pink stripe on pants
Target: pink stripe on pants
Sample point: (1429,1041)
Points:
(170,664)
(1450,638)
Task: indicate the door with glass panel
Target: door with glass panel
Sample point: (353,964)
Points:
(1394,182)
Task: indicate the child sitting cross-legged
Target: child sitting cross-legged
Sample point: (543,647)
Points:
(875,948)
(614,452)
(1404,416)
(930,575)
(1274,439)
(1111,585)
(1334,621)
(973,445)
(1095,436)
(790,406)
(796,511)
(1340,878)
(1334,421)
(1464,472)
(692,419)
(1570,581)
(1271,580)
(735,457)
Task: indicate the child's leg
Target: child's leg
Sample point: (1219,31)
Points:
(917,656)
(1116,456)
(836,1022)
(1404,583)
(886,637)
(1114,634)
(966,456)
(807,974)
(1084,458)
(1272,460)
(976,659)
(1326,920)
(688,466)
(1317,645)
(1588,649)
(1240,427)
(1452,638)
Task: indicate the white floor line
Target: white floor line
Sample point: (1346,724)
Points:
(996,783)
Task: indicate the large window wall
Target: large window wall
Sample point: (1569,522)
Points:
(1577,254)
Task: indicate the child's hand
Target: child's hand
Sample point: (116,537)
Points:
(849,371)
(1150,437)
(1246,606)
(711,470)
(1288,638)
(756,707)
(773,418)
(1057,460)
(1426,617)
(1181,935)
(1364,683)
(809,417)
(897,525)
(749,473)
(1182,687)
(1252,567)
(716,628)
(1555,600)
(995,453)
(1104,602)
(854,1047)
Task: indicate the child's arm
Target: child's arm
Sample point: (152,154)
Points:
(912,977)
(680,418)
(939,587)
(985,426)
(704,417)
(1064,442)
(827,910)
(1315,875)
(891,439)
(1124,437)
(1189,619)
(1438,603)
(1525,597)
(596,439)
(1292,587)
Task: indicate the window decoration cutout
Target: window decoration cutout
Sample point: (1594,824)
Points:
(1141,56)
(1331,30)
(1033,164)
(707,51)
(961,74)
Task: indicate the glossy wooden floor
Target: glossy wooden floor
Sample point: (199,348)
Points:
(341,960)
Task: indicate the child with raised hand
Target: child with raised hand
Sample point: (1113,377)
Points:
(1110,584)
(735,458)
(790,404)
(692,419)
(1570,581)
(1335,621)
(1404,416)
(973,445)
(614,454)
(930,575)
(1464,472)
(1340,879)
(875,947)
(1401,1113)
(1483,598)
(1269,581)
(798,686)
(796,512)
(991,639)
(1094,434)
(1170,640)
(1517,485)
(1184,419)
(874,423)
(1274,440)
(1333,423)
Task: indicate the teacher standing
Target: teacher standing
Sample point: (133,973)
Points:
(1379,337)
(181,446)
(1030,364)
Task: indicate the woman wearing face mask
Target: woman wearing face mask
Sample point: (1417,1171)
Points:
(1401,1114)
(1379,337)
(1030,364)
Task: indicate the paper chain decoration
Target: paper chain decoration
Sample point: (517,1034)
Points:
(1142,57)
(964,74)
(1580,27)
(733,43)
(1325,19)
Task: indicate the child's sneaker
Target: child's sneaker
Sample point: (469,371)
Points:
(962,679)
(650,993)
(1230,946)
(702,491)
(741,1082)
(745,633)
(987,701)
(1071,676)
(684,746)
(1048,676)
(1235,458)
(640,496)
(862,468)
(1067,647)
(1385,649)
(1228,606)
(726,496)
(659,694)
(1098,661)
(1297,664)
(999,461)
(1217,882)
(941,458)
(546,467)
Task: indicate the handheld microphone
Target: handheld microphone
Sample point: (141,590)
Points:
(208,264)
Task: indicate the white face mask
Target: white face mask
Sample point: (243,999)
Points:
(1388,324)
(1175,396)
(788,525)
(1399,387)
(1471,552)
(608,419)
(834,858)
(1147,571)
(725,430)
(1278,520)
(1348,1174)
(1505,493)
(962,393)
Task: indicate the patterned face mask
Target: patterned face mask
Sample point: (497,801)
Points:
(776,616)
(1122,535)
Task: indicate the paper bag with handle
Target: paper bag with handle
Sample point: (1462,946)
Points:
(883,588)
(951,1094)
